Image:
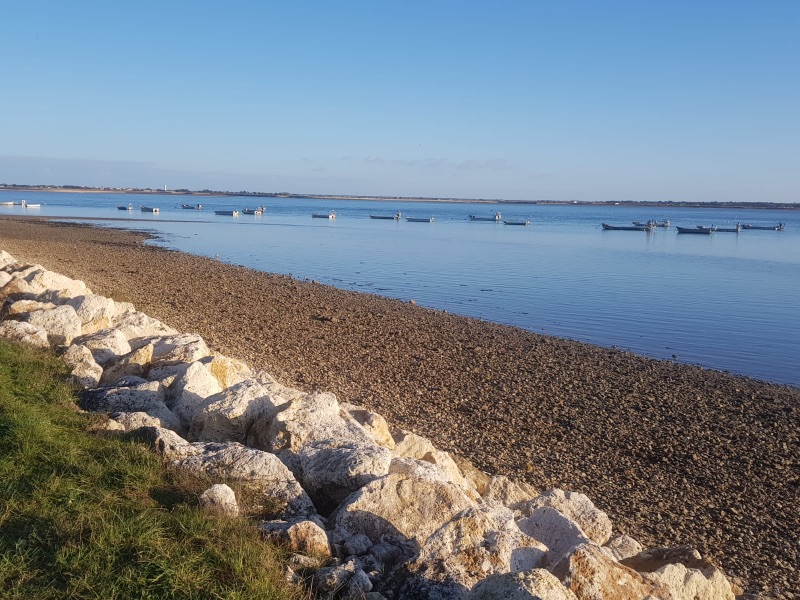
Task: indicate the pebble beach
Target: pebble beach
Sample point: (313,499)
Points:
(675,454)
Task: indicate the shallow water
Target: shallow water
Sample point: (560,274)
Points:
(725,301)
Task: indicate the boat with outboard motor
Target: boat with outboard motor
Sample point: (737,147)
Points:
(778,227)
(642,227)
(496,218)
(699,229)
(395,217)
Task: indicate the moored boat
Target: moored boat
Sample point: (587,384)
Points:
(123,207)
(395,217)
(26,204)
(736,229)
(149,209)
(419,219)
(524,222)
(227,213)
(7,203)
(699,229)
(778,227)
(253,211)
(642,227)
(192,206)
(496,218)
(652,223)
(327,215)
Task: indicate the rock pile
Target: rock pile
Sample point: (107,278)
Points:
(375,512)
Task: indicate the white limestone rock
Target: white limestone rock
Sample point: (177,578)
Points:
(180,348)
(373,423)
(13,307)
(219,499)
(306,419)
(621,547)
(18,289)
(476,543)
(261,471)
(131,421)
(538,584)
(333,579)
(593,521)
(411,445)
(228,371)
(684,571)
(690,584)
(55,287)
(61,323)
(107,345)
(281,394)
(500,490)
(5,278)
(85,372)
(167,443)
(136,362)
(303,536)
(590,574)
(188,393)
(24,333)
(401,508)
(95,312)
(331,474)
(139,397)
(229,414)
(6,259)
(556,531)
(138,328)
(168,374)
(357,545)
(478,478)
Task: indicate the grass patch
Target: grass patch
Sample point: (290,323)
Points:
(88,516)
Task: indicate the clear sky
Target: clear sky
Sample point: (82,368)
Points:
(591,100)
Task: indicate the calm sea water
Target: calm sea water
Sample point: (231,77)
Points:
(725,301)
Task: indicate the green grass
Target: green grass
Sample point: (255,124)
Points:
(89,516)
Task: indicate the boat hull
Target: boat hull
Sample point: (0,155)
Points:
(608,227)
(778,227)
(696,230)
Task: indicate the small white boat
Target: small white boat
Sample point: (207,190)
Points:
(420,219)
(150,209)
(524,223)
(254,211)
(26,204)
(7,203)
(227,213)
(123,207)
(328,215)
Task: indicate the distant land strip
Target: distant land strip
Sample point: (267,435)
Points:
(185,192)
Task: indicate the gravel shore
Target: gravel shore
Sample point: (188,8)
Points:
(674,453)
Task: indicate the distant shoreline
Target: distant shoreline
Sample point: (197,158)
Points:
(496,201)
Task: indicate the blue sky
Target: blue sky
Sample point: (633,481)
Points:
(531,100)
